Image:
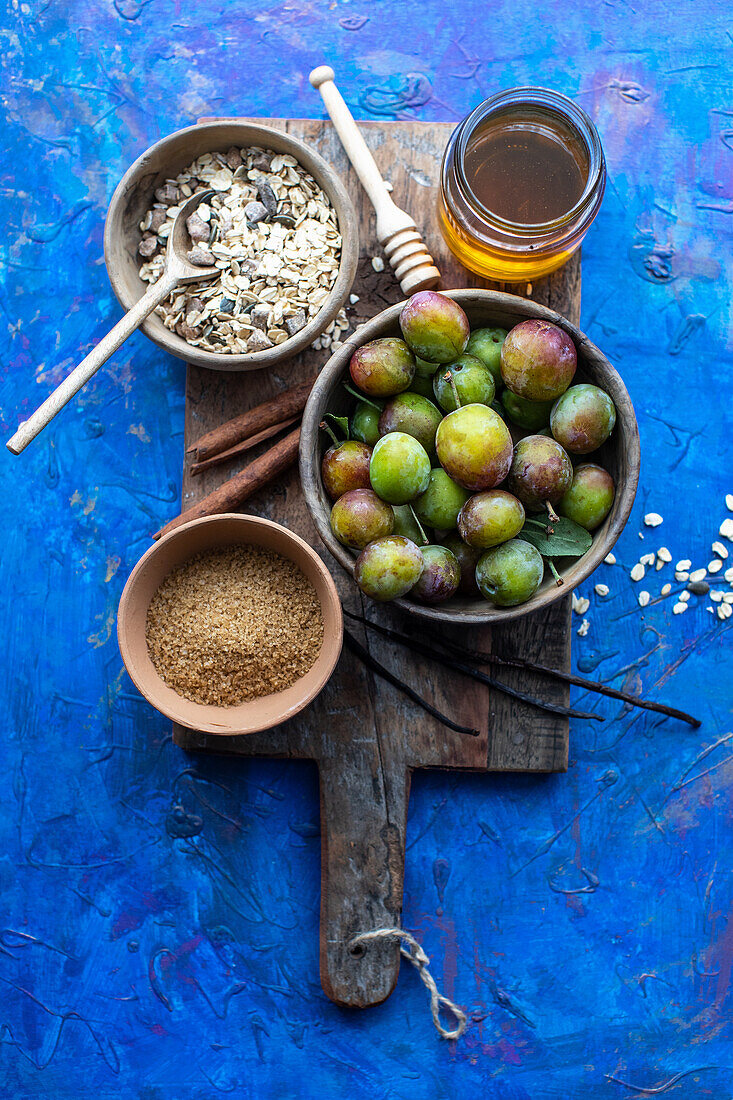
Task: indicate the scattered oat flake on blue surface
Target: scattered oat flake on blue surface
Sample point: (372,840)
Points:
(653,519)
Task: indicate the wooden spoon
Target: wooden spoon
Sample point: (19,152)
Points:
(178,269)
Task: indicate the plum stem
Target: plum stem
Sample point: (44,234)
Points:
(448,377)
(420,527)
(329,431)
(554,517)
(558,579)
(361,396)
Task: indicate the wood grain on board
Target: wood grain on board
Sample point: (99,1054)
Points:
(365,736)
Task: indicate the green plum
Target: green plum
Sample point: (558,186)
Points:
(540,472)
(588,500)
(383,367)
(423,384)
(434,326)
(346,466)
(466,557)
(583,418)
(389,567)
(441,502)
(359,516)
(406,524)
(538,360)
(473,381)
(485,344)
(365,423)
(424,368)
(399,468)
(474,447)
(531,415)
(490,518)
(440,577)
(415,415)
(510,574)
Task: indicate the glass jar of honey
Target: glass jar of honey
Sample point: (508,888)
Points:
(522,179)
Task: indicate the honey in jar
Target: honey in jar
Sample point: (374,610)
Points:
(522,179)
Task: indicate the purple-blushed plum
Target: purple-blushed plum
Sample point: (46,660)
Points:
(346,466)
(485,344)
(583,418)
(510,574)
(473,381)
(441,502)
(588,500)
(466,557)
(538,360)
(540,472)
(440,577)
(389,567)
(474,447)
(434,326)
(383,367)
(400,468)
(490,518)
(406,524)
(415,415)
(359,516)
(365,423)
(532,415)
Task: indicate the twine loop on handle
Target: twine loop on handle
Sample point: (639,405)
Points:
(414,953)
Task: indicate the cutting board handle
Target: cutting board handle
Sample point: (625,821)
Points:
(363,819)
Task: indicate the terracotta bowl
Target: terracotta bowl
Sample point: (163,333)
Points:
(175,549)
(166,159)
(619,455)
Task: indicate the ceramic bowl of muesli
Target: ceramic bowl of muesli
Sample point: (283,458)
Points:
(280,227)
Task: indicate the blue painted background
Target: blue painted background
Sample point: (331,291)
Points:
(585,920)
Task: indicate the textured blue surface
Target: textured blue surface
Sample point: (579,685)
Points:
(586,919)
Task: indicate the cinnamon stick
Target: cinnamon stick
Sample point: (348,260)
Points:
(229,496)
(283,406)
(243,447)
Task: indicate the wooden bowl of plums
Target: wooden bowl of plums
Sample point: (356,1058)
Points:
(469,456)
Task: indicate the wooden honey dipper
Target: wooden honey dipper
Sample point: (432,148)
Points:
(397,233)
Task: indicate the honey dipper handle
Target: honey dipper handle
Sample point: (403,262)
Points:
(89,366)
(390,218)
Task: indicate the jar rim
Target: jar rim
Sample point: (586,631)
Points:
(546,99)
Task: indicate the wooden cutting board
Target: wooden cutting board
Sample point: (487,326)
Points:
(365,736)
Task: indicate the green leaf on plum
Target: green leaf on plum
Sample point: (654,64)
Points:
(338,423)
(567,540)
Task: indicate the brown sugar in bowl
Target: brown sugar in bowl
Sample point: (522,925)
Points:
(171,155)
(184,543)
(620,454)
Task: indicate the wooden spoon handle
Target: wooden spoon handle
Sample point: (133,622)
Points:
(89,366)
